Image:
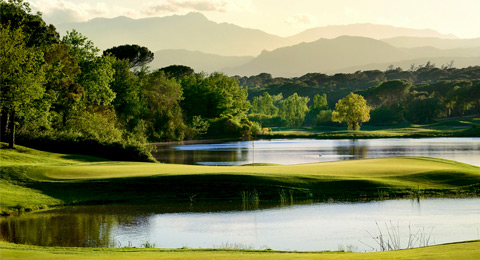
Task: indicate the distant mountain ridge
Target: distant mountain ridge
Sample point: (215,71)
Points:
(335,55)
(374,31)
(198,61)
(195,32)
(413,42)
(204,45)
(192,32)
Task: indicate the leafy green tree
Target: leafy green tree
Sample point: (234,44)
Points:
(21,78)
(294,109)
(391,92)
(63,91)
(264,105)
(96,72)
(136,55)
(17,14)
(319,104)
(424,110)
(127,87)
(353,109)
(162,111)
(213,95)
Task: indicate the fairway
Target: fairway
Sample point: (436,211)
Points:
(34,179)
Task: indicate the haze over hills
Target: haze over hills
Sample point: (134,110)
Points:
(335,55)
(413,42)
(375,31)
(198,61)
(190,32)
(204,45)
(195,32)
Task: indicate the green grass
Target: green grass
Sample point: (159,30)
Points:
(32,179)
(464,250)
(446,128)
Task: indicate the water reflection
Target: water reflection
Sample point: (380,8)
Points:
(317,226)
(296,151)
(353,150)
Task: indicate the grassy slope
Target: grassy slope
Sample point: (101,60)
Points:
(447,128)
(465,250)
(33,179)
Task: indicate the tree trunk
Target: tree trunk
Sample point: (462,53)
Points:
(4,126)
(12,130)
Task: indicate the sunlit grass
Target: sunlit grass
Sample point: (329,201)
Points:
(465,250)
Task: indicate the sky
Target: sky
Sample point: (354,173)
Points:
(282,17)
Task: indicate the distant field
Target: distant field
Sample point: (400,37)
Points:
(33,180)
(464,250)
(446,128)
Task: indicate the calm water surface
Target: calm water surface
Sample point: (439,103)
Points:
(296,151)
(318,226)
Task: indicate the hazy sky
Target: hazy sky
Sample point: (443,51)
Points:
(282,17)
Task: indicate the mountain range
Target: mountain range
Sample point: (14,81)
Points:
(204,45)
(341,55)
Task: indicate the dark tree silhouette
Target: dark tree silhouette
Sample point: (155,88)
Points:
(177,71)
(136,55)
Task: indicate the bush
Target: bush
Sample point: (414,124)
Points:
(229,126)
(117,151)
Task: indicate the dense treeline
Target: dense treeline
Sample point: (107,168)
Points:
(419,95)
(62,92)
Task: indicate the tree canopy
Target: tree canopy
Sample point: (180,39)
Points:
(21,78)
(352,109)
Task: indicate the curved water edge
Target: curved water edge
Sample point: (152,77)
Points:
(297,151)
(315,226)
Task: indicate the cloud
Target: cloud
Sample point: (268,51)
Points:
(68,11)
(61,11)
(302,20)
(172,6)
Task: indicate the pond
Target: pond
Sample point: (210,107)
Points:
(296,151)
(313,226)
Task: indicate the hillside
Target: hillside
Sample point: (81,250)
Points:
(335,55)
(191,32)
(374,31)
(413,42)
(197,60)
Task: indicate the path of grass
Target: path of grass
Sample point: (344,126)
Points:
(32,179)
(465,250)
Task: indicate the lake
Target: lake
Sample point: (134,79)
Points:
(313,226)
(296,151)
(308,226)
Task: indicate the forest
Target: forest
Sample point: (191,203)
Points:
(419,95)
(64,94)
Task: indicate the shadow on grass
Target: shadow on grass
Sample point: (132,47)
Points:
(206,187)
(84,158)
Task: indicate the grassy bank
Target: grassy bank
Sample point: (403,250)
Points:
(445,128)
(32,179)
(465,250)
